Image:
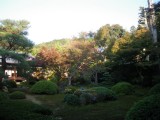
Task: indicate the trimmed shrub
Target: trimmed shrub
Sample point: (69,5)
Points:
(86,98)
(78,92)
(3,96)
(146,109)
(44,87)
(71,99)
(9,83)
(103,93)
(155,90)
(70,89)
(17,95)
(123,88)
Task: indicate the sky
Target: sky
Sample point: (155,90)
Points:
(57,19)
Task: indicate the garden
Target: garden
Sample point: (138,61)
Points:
(43,100)
(110,74)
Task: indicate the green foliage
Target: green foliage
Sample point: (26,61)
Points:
(123,88)
(1,73)
(106,79)
(9,83)
(3,96)
(44,87)
(17,95)
(70,89)
(155,90)
(13,41)
(146,109)
(23,110)
(107,34)
(13,36)
(156,79)
(58,44)
(55,79)
(71,99)
(86,98)
(103,93)
(78,92)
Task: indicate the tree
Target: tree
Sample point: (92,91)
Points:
(131,57)
(143,18)
(78,58)
(13,40)
(107,34)
(157,19)
(50,59)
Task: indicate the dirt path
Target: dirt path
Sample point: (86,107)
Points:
(33,99)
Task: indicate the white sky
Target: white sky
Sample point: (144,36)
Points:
(56,19)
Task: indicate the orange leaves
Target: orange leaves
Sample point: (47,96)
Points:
(141,33)
(49,56)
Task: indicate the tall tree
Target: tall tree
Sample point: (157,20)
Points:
(13,40)
(78,58)
(157,19)
(151,20)
(107,35)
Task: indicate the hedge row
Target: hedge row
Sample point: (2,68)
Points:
(95,94)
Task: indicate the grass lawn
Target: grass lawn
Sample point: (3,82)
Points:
(52,107)
(23,110)
(111,110)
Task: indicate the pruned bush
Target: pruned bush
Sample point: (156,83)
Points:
(103,93)
(17,95)
(90,96)
(9,83)
(155,90)
(123,88)
(146,109)
(70,89)
(78,92)
(71,99)
(86,98)
(3,96)
(44,87)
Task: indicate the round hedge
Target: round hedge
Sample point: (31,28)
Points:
(71,99)
(155,90)
(146,109)
(3,96)
(86,98)
(70,89)
(44,87)
(17,95)
(123,88)
(103,93)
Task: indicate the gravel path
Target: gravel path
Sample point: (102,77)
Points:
(33,99)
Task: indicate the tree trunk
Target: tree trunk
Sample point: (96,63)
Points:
(4,64)
(69,80)
(96,78)
(151,21)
